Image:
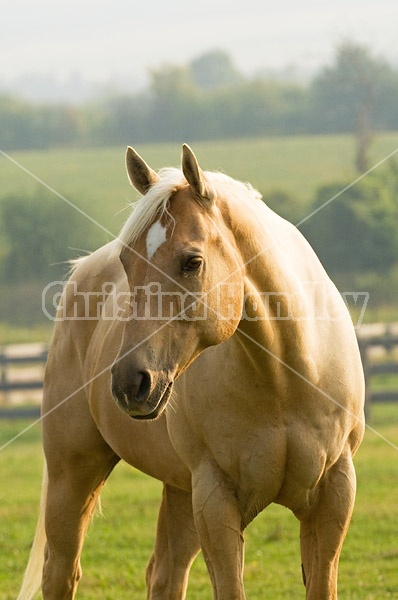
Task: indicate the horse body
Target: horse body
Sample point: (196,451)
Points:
(250,393)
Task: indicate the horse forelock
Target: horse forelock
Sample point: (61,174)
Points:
(154,204)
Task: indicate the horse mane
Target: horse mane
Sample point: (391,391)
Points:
(154,204)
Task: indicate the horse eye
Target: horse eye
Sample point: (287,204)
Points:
(193,263)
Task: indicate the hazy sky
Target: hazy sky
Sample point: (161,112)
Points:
(108,38)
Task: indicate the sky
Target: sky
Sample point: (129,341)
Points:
(101,40)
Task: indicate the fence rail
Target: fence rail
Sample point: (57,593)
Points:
(22,366)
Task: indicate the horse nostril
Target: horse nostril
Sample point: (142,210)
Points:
(143,385)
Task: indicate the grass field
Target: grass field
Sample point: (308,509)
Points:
(119,543)
(95,180)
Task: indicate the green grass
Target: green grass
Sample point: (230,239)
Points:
(120,543)
(12,334)
(95,179)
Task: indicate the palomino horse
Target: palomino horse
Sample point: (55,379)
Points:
(208,348)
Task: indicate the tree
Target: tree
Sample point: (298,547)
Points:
(285,205)
(41,233)
(215,69)
(174,105)
(119,120)
(346,96)
(24,125)
(357,231)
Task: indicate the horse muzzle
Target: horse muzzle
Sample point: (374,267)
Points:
(141,394)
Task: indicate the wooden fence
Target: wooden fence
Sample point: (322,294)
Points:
(22,367)
(378,344)
(21,379)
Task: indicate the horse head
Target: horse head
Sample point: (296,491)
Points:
(185,276)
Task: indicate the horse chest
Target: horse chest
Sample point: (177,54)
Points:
(263,458)
(248,453)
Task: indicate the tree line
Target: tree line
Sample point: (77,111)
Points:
(209,98)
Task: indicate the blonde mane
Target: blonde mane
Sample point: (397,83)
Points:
(154,204)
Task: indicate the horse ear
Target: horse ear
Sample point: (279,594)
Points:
(141,176)
(195,176)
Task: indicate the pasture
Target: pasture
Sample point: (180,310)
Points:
(95,180)
(120,542)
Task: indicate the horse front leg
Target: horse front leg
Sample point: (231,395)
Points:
(219,525)
(71,499)
(177,544)
(323,530)
(78,462)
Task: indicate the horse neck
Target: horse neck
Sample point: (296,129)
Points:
(271,288)
(264,241)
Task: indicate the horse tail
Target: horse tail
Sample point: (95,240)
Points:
(33,574)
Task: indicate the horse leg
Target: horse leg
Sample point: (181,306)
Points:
(78,462)
(323,530)
(219,525)
(177,544)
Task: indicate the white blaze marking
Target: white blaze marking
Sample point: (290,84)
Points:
(155,237)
